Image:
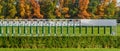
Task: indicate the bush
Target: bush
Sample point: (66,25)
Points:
(61,42)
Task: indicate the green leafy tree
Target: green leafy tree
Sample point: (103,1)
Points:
(73,5)
(48,8)
(11,9)
(93,7)
(2,2)
(1,10)
(110,10)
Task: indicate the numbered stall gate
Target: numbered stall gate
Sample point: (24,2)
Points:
(57,27)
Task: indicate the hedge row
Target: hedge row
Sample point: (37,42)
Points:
(61,42)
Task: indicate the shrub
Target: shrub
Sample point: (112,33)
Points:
(61,42)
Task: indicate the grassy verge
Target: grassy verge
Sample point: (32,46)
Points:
(59,49)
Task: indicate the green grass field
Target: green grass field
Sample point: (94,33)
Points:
(58,49)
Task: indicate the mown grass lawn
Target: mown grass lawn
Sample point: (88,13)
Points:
(59,49)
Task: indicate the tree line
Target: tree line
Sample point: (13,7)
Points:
(58,9)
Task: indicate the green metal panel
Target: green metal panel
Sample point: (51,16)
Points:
(55,29)
(92,30)
(13,30)
(86,28)
(0,30)
(37,30)
(24,30)
(110,29)
(31,30)
(49,29)
(73,29)
(80,29)
(7,30)
(67,29)
(42,30)
(19,30)
(104,29)
(98,29)
(61,31)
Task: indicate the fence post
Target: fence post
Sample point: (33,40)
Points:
(19,30)
(55,29)
(86,28)
(92,30)
(73,28)
(80,27)
(0,30)
(37,31)
(67,28)
(43,29)
(104,29)
(61,28)
(115,30)
(98,29)
(24,30)
(12,30)
(49,29)
(31,30)
(7,30)
(110,29)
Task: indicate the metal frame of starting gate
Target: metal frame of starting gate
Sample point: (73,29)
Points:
(5,23)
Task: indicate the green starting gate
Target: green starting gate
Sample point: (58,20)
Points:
(57,27)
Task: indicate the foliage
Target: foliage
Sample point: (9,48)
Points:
(36,9)
(21,9)
(107,9)
(11,9)
(93,7)
(83,6)
(1,8)
(49,12)
(110,10)
(60,42)
(59,49)
(51,9)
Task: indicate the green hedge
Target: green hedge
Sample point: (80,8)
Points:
(61,42)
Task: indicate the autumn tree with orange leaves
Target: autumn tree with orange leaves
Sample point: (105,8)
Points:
(83,6)
(56,9)
(36,9)
(25,9)
(101,8)
(22,8)
(62,9)
(28,10)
